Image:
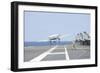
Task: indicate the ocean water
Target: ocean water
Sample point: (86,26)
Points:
(46,43)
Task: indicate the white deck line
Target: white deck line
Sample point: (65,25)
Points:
(66,53)
(43,55)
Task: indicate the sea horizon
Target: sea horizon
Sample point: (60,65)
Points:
(45,43)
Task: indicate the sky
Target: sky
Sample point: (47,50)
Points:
(39,25)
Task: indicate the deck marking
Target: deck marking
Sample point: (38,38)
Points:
(39,58)
(66,53)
